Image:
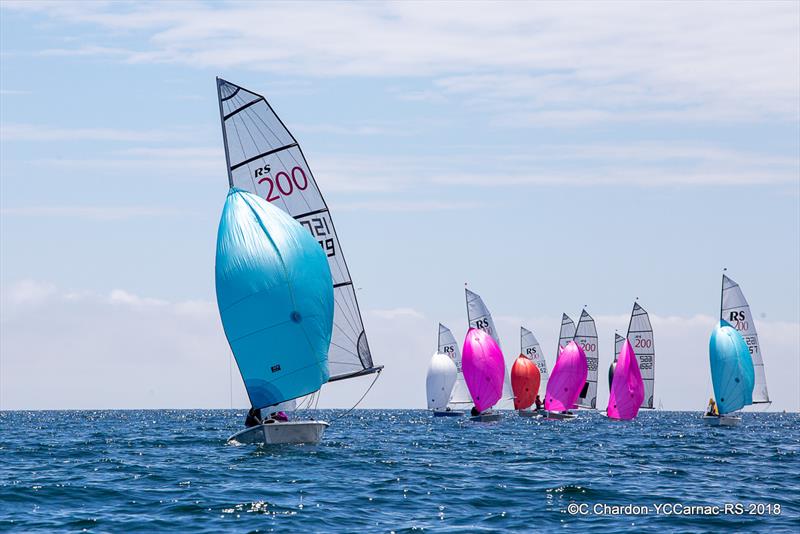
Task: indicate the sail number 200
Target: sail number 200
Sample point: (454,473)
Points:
(284,184)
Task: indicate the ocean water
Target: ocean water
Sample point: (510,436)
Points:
(400,471)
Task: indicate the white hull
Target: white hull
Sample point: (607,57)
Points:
(559,416)
(488,417)
(529,413)
(722,420)
(446,413)
(292,432)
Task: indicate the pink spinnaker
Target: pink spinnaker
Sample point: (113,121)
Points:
(567,379)
(483,368)
(627,386)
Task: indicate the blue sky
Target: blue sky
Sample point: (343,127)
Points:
(551,155)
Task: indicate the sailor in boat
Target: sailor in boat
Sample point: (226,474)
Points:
(712,408)
(253,418)
(278,417)
(538,403)
(474,412)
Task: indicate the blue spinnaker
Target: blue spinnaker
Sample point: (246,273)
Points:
(275,298)
(732,370)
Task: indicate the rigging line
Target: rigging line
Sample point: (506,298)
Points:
(377,375)
(241,147)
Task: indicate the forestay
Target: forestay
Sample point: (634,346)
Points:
(480,318)
(586,338)
(736,311)
(448,346)
(530,349)
(264,158)
(640,336)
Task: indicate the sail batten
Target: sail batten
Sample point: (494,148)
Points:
(264,158)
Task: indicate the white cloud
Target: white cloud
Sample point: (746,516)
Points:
(27,292)
(46,133)
(120,296)
(575,62)
(159,354)
(396,313)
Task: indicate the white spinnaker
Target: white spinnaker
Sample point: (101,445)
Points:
(736,311)
(531,349)
(640,336)
(586,337)
(566,333)
(264,158)
(440,381)
(449,347)
(480,318)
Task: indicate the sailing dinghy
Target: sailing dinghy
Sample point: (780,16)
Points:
(439,382)
(640,336)
(459,397)
(735,311)
(275,299)
(732,374)
(566,381)
(479,317)
(484,372)
(263,158)
(530,348)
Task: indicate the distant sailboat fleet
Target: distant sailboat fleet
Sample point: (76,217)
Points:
(737,368)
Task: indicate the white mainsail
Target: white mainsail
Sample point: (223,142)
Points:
(735,309)
(566,333)
(460,396)
(640,336)
(264,158)
(586,337)
(530,348)
(480,318)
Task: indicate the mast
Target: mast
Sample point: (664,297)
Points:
(224,134)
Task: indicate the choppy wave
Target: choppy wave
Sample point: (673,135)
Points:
(396,471)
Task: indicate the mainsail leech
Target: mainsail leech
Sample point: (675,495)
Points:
(264,158)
